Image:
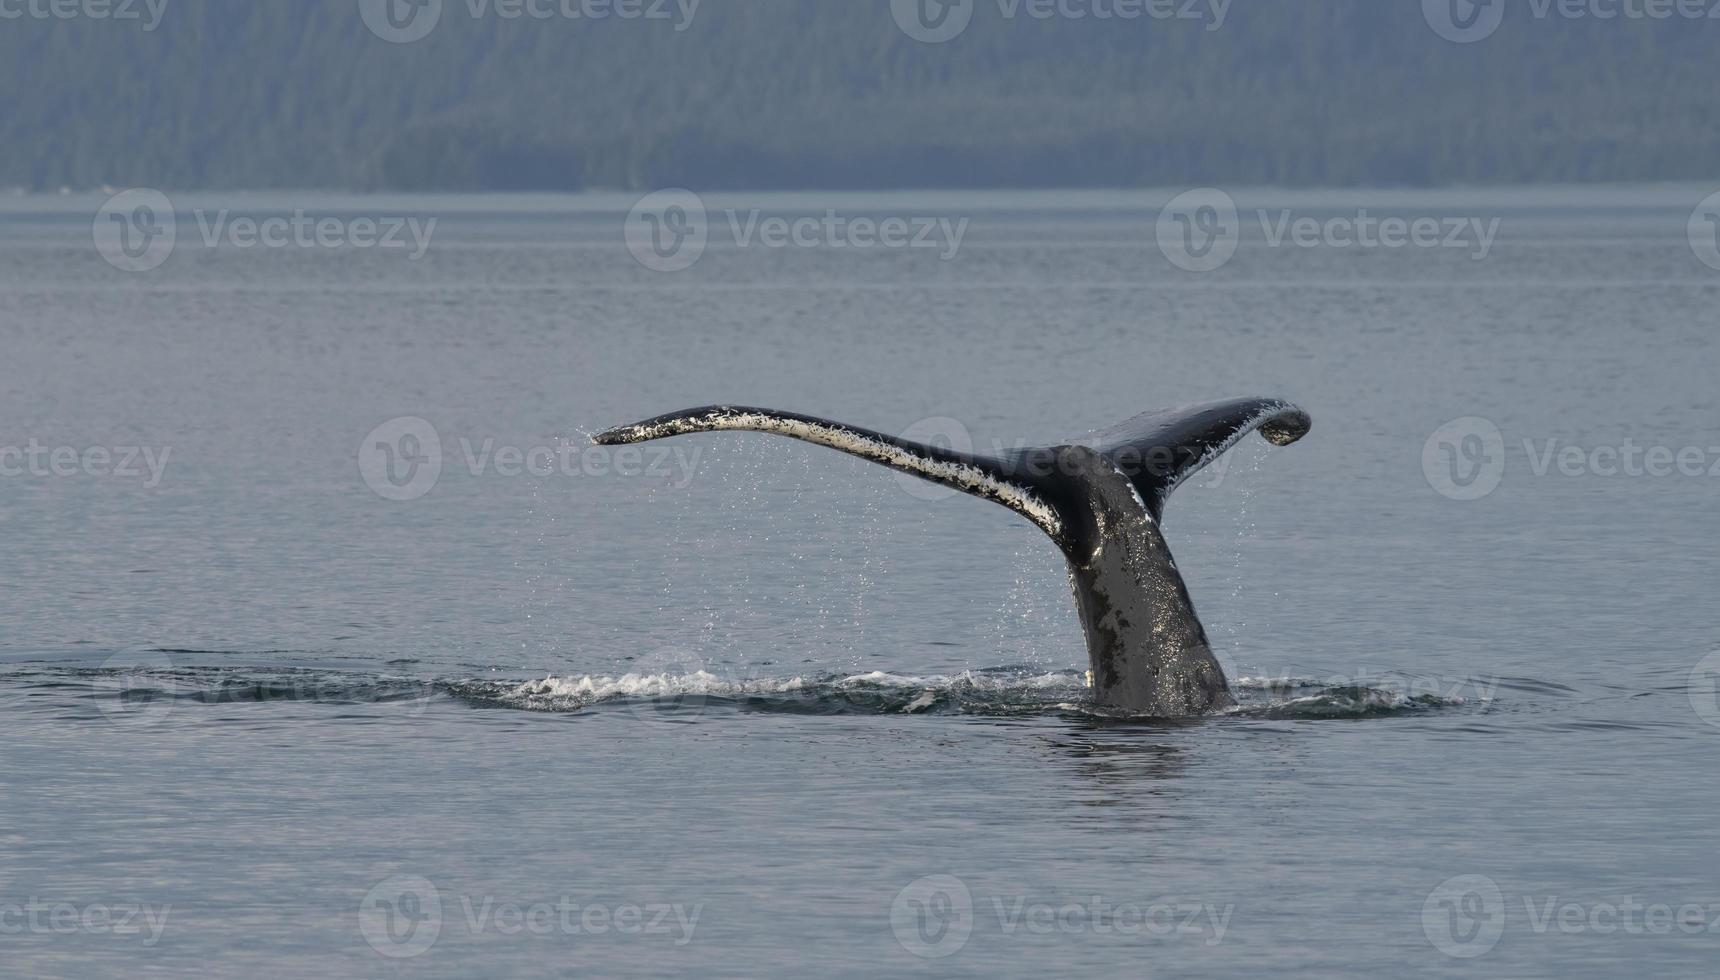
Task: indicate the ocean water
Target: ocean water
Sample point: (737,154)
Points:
(346,655)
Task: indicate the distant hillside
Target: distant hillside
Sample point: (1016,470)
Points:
(833,93)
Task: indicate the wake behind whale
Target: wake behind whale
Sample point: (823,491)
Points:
(1100,499)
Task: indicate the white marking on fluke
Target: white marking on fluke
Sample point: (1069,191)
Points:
(968,479)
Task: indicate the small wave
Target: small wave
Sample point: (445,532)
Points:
(591,690)
(971,680)
(1347,702)
(225,685)
(1275,683)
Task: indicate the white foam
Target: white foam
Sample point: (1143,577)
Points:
(967,680)
(921,703)
(589,688)
(1276,683)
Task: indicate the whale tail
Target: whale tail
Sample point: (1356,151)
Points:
(1100,498)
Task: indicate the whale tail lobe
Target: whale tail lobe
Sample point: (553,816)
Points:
(980,475)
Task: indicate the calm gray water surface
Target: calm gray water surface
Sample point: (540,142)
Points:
(766,710)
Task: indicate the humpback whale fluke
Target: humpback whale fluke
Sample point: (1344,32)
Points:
(1100,498)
